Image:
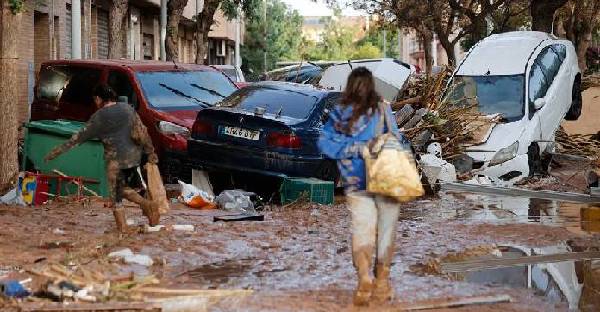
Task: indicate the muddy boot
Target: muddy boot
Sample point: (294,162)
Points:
(120,219)
(362,262)
(149,208)
(383,291)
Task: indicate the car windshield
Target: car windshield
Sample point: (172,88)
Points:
(184,89)
(280,102)
(231,73)
(491,94)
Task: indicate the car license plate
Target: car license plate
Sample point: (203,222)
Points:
(241,133)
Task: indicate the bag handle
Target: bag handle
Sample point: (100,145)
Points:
(384,120)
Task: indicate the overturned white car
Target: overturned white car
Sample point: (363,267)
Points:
(533,81)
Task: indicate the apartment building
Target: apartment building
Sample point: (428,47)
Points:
(412,50)
(45,34)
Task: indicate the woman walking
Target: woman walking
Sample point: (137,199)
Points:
(352,124)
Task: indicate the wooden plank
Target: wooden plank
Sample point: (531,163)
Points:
(477,265)
(110,306)
(513,191)
(195,292)
(453,303)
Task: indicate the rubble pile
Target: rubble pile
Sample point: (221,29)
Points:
(587,145)
(433,117)
(590,81)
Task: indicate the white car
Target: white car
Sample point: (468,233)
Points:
(532,79)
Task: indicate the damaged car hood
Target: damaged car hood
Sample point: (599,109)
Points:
(497,136)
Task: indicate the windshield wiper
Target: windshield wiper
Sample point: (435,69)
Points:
(180,93)
(211,91)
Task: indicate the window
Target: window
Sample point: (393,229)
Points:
(543,71)
(173,90)
(68,84)
(283,102)
(561,50)
(491,94)
(550,63)
(537,83)
(121,84)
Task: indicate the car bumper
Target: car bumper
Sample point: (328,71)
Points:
(508,172)
(218,156)
(175,165)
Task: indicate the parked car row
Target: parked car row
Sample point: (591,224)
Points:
(199,117)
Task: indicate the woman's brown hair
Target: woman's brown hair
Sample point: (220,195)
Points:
(360,93)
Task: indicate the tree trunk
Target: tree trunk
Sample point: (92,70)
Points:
(174,11)
(9,133)
(427,37)
(449,47)
(118,10)
(542,14)
(582,44)
(204,22)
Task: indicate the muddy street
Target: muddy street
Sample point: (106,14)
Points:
(298,258)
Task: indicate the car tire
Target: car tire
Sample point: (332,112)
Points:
(576,102)
(534,159)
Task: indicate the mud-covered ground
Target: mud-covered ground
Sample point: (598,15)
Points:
(298,258)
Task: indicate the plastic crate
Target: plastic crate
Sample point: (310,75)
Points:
(316,191)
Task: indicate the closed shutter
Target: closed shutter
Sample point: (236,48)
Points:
(102,34)
(68,33)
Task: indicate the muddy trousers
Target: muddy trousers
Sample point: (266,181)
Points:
(119,182)
(374,221)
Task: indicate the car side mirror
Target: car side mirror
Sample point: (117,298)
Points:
(539,103)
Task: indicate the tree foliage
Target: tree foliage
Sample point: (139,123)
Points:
(281,42)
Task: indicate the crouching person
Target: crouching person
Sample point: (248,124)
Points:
(352,124)
(125,139)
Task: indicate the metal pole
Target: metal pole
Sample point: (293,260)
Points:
(163,29)
(384,43)
(238,36)
(76,29)
(265,37)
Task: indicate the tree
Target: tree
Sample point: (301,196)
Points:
(542,14)
(10,22)
(579,19)
(366,51)
(374,38)
(118,9)
(205,19)
(281,42)
(405,14)
(174,12)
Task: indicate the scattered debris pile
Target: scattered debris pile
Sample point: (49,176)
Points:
(590,81)
(587,145)
(426,115)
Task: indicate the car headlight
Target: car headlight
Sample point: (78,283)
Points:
(170,128)
(505,154)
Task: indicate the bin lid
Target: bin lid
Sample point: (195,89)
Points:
(63,127)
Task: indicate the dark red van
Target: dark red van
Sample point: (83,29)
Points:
(167,97)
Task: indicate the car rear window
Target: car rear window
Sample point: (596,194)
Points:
(285,102)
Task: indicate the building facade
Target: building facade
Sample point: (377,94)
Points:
(45,34)
(412,50)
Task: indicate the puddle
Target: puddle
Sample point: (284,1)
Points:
(575,282)
(216,274)
(580,218)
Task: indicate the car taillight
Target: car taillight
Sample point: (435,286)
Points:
(202,127)
(284,140)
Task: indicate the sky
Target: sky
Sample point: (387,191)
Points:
(310,8)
